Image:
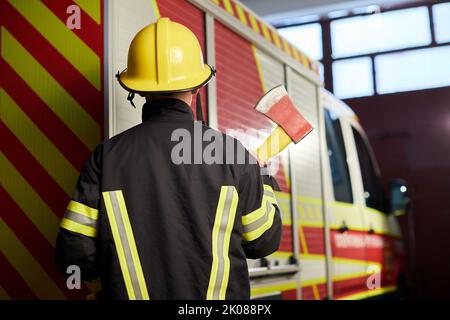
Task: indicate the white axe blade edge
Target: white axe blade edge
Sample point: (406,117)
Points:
(271,98)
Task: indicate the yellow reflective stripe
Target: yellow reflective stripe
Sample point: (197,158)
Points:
(241,13)
(28,200)
(132,243)
(276,38)
(23,261)
(254,215)
(286,47)
(83,209)
(265,31)
(295,51)
(91,7)
(258,213)
(258,67)
(254,23)
(35,141)
(74,116)
(78,228)
(155,7)
(79,54)
(270,194)
(368,293)
(221,235)
(125,245)
(215,254)
(119,248)
(226,244)
(255,234)
(228,7)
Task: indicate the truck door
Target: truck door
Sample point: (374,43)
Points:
(348,252)
(379,239)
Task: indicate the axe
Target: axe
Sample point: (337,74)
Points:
(292,126)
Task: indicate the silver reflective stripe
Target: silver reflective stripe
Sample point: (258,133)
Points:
(223,226)
(81,219)
(221,236)
(269,193)
(258,223)
(125,245)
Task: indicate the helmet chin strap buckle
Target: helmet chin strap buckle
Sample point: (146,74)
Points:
(130,98)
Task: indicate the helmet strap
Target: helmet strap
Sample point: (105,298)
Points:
(130,98)
(199,110)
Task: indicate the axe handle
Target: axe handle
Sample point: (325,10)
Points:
(273,145)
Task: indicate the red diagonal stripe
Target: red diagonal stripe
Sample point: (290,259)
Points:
(69,77)
(36,243)
(48,122)
(13,283)
(90,32)
(260,23)
(33,172)
(222,5)
(234,9)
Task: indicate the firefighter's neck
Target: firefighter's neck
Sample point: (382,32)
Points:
(186,97)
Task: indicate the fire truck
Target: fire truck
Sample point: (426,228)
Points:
(340,236)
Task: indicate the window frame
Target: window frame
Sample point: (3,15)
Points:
(355,126)
(327,59)
(342,124)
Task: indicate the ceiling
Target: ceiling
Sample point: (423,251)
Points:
(281,12)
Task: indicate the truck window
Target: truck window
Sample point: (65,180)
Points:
(338,159)
(373,189)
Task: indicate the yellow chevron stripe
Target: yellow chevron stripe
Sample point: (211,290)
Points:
(228,6)
(3,294)
(24,263)
(28,200)
(38,144)
(276,38)
(265,32)
(304,60)
(49,90)
(83,58)
(241,14)
(254,23)
(286,47)
(91,7)
(295,51)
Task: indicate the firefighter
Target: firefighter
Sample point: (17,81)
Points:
(150,225)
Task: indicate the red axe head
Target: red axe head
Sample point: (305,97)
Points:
(278,106)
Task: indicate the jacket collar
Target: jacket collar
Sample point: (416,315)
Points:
(170,109)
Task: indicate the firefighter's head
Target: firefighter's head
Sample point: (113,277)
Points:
(165,60)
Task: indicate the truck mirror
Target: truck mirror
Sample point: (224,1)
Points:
(399,197)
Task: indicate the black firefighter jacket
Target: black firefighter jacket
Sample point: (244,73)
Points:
(154,221)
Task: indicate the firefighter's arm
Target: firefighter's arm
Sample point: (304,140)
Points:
(76,240)
(261,220)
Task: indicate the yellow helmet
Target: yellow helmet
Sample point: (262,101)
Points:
(165,57)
